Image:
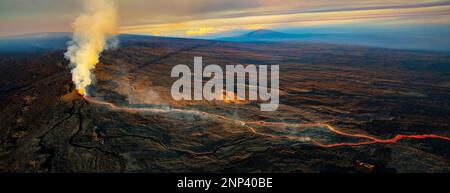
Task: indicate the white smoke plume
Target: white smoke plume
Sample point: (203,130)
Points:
(92,33)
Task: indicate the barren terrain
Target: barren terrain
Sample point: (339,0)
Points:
(382,93)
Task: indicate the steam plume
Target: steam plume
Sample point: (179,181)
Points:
(92,32)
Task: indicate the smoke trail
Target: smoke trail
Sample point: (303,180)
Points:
(92,32)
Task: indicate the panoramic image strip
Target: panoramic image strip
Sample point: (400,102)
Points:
(225,87)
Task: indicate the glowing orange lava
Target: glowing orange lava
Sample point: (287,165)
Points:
(370,139)
(231,97)
(81,92)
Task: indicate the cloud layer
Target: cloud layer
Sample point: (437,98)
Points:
(209,17)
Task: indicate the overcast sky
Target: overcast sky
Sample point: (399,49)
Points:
(221,17)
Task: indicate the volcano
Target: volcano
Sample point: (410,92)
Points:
(263,35)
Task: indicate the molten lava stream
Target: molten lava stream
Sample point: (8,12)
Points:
(370,139)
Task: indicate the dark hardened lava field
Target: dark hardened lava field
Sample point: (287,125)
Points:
(45,127)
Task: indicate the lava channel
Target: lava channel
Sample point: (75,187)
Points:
(370,139)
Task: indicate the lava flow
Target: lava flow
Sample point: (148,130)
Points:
(370,139)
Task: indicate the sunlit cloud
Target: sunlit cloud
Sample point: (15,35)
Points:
(201,31)
(390,16)
(198,18)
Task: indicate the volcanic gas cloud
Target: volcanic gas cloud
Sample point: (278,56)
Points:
(93,32)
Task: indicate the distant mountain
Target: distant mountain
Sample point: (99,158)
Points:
(46,42)
(262,35)
(34,43)
(395,41)
(267,34)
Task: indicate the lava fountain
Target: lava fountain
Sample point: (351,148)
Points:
(92,33)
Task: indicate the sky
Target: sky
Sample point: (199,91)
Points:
(221,18)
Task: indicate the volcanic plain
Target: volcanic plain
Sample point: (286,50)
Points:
(329,95)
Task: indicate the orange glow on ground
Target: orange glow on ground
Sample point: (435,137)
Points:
(81,92)
(230,97)
(369,139)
